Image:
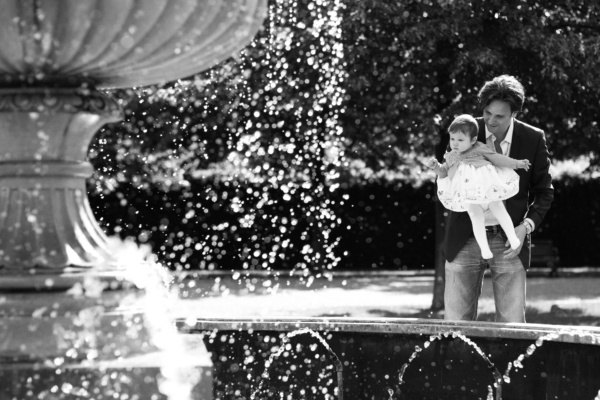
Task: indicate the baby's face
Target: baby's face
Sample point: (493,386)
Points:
(460,141)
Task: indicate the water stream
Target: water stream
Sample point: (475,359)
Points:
(456,335)
(365,375)
(304,331)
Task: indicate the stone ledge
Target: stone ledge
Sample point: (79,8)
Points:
(414,326)
(60,280)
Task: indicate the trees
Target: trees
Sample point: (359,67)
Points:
(263,127)
(414,64)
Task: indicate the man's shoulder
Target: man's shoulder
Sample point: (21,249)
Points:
(526,127)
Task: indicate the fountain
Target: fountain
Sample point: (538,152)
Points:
(326,358)
(81,317)
(50,107)
(397,359)
(84,318)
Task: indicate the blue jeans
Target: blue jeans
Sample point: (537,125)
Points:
(464,279)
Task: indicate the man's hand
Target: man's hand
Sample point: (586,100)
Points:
(521,233)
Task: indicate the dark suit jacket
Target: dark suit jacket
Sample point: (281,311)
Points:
(528,143)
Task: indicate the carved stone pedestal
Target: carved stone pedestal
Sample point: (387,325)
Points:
(52,54)
(46,223)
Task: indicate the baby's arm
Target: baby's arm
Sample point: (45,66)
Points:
(500,160)
(441,170)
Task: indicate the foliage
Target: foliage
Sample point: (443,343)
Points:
(413,65)
(275,131)
(385,226)
(205,226)
(272,139)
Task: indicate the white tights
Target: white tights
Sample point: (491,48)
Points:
(477,219)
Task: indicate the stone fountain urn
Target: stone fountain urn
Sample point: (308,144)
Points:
(56,57)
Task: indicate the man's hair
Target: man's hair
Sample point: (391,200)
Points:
(504,88)
(466,124)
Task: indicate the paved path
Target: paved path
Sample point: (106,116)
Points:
(573,300)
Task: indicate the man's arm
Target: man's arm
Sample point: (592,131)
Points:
(540,184)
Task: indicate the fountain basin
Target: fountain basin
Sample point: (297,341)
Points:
(120,43)
(563,362)
(100,342)
(54,56)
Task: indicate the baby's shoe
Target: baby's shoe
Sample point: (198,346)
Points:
(486,254)
(514,243)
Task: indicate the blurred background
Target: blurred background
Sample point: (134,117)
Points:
(305,152)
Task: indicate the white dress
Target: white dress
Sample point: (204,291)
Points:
(478,176)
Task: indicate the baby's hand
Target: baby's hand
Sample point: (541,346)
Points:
(523,164)
(432,164)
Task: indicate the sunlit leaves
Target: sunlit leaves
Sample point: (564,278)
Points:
(262,129)
(239,165)
(410,62)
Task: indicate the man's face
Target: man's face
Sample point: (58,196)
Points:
(497,117)
(460,141)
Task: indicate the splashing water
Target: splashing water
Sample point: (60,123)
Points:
(498,378)
(286,339)
(176,380)
(518,363)
(311,136)
(262,134)
(455,335)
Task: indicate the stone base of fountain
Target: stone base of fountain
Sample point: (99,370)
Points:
(89,340)
(400,358)
(69,345)
(65,279)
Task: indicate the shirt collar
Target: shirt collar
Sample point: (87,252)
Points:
(509,134)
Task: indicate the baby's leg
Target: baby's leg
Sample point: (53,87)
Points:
(477,219)
(497,208)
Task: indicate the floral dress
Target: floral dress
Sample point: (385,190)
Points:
(477,176)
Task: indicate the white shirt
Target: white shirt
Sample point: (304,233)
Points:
(505,145)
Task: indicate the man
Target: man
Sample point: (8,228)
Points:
(500,100)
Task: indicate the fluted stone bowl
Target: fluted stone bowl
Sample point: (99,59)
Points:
(120,43)
(54,56)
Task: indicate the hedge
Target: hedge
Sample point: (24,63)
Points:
(381,226)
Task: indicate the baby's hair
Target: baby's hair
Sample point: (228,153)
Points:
(466,124)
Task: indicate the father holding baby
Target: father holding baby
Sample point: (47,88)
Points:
(500,100)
